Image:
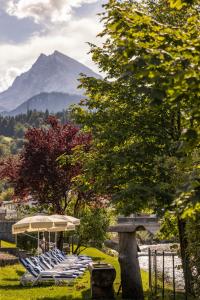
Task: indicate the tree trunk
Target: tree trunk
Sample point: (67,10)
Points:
(76,251)
(130,271)
(46,235)
(184,255)
(60,241)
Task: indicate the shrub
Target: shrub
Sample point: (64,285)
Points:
(193,235)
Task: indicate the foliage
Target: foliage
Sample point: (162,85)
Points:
(36,172)
(16,146)
(92,230)
(144,114)
(7,194)
(189,206)
(19,130)
(169,228)
(193,235)
(10,146)
(27,243)
(187,202)
(180,4)
(15,126)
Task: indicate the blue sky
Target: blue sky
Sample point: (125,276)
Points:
(31,27)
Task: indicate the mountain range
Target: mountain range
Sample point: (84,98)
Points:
(51,83)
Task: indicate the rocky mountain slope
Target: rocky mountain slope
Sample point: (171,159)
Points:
(53,102)
(50,73)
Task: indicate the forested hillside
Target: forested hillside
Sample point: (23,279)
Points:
(16,126)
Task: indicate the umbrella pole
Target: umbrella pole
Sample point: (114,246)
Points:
(38,243)
(16,240)
(55,239)
(43,243)
(49,245)
(49,239)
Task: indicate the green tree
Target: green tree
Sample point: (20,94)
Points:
(144,115)
(19,130)
(151,81)
(7,194)
(93,228)
(193,235)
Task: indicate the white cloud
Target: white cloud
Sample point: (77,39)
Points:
(63,30)
(7,77)
(45,11)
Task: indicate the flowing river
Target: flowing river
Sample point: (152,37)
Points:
(168,263)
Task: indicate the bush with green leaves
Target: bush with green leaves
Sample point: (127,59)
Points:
(93,228)
(193,236)
(7,194)
(28,243)
(169,227)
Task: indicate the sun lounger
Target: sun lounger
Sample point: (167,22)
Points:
(53,265)
(39,275)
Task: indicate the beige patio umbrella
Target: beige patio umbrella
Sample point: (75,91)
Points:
(67,218)
(40,223)
(69,227)
(31,224)
(71,222)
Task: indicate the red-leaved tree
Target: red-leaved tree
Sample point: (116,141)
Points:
(36,171)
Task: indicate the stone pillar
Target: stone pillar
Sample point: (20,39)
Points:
(128,258)
(130,270)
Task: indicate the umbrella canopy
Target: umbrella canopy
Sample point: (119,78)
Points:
(38,223)
(69,227)
(54,223)
(67,218)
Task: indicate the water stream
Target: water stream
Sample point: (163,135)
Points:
(144,264)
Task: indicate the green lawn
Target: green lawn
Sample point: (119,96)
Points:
(10,288)
(5,244)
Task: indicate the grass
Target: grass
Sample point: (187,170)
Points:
(4,244)
(11,289)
